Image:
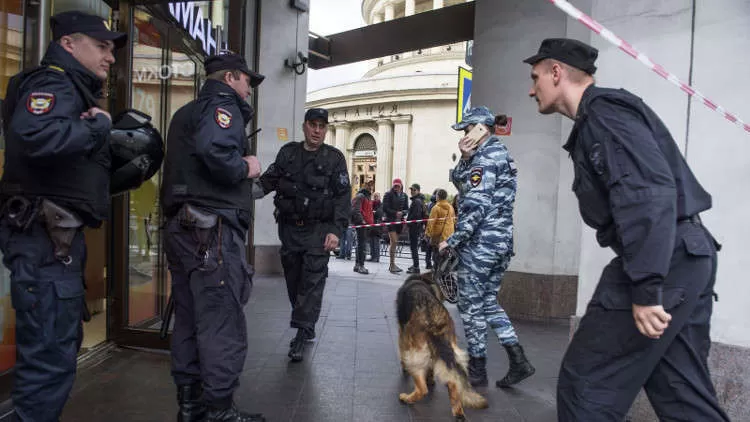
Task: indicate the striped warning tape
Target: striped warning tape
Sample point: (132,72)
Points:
(623,45)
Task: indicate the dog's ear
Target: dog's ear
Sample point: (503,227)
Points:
(427,277)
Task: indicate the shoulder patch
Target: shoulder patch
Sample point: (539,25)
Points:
(475,176)
(223,118)
(40,103)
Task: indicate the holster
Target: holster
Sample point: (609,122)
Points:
(200,222)
(20,212)
(62,226)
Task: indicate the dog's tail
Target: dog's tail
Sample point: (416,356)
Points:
(451,367)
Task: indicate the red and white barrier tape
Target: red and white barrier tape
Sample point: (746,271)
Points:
(632,52)
(392,223)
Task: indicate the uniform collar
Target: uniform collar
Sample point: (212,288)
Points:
(57,56)
(581,115)
(213,87)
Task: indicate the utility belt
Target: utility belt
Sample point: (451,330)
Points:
(60,223)
(202,224)
(300,222)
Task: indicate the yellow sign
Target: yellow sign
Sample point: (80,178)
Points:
(282,134)
(464,92)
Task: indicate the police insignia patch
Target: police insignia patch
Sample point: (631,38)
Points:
(40,103)
(344,179)
(475,177)
(223,118)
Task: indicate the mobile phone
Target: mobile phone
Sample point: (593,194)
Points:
(476,134)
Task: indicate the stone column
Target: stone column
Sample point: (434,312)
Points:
(385,155)
(409,7)
(389,12)
(331,135)
(402,126)
(342,138)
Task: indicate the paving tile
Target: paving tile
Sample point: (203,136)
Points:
(350,373)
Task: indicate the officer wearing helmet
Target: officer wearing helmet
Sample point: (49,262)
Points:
(206,198)
(312,208)
(55,182)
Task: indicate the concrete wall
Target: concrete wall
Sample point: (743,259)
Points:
(547,238)
(283,32)
(702,47)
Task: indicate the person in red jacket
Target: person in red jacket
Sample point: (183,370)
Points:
(362,214)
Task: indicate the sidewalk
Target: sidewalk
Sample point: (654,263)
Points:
(352,372)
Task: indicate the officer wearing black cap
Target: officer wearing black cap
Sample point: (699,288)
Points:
(206,197)
(647,324)
(56,180)
(312,208)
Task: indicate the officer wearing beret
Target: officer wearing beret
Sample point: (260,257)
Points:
(206,197)
(485,178)
(56,174)
(647,324)
(312,208)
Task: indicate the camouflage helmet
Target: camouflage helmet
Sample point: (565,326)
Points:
(475,115)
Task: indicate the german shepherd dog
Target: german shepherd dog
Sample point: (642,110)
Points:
(428,347)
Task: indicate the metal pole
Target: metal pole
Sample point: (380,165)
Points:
(43,35)
(219,36)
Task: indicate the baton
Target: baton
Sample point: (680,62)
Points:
(166,318)
(249,140)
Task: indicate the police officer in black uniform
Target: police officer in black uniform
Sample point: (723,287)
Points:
(312,208)
(55,182)
(206,197)
(648,322)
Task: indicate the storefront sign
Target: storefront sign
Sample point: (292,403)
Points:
(365,112)
(190,17)
(282,134)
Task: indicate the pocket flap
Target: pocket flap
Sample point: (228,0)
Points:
(672,297)
(697,244)
(68,289)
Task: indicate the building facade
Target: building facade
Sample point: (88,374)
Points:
(395,121)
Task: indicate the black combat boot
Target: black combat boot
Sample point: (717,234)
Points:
(297,347)
(478,371)
(520,368)
(192,409)
(232,414)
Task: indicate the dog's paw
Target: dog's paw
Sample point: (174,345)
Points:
(405,398)
(460,418)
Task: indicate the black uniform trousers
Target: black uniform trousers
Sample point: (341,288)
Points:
(209,338)
(375,244)
(362,238)
(48,297)
(609,360)
(415,230)
(305,263)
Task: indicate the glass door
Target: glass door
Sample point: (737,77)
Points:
(163,77)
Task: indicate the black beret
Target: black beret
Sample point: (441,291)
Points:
(232,61)
(569,51)
(73,21)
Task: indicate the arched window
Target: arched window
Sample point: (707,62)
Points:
(365,146)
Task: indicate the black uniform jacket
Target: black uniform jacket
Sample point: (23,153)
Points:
(205,149)
(50,151)
(310,186)
(633,185)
